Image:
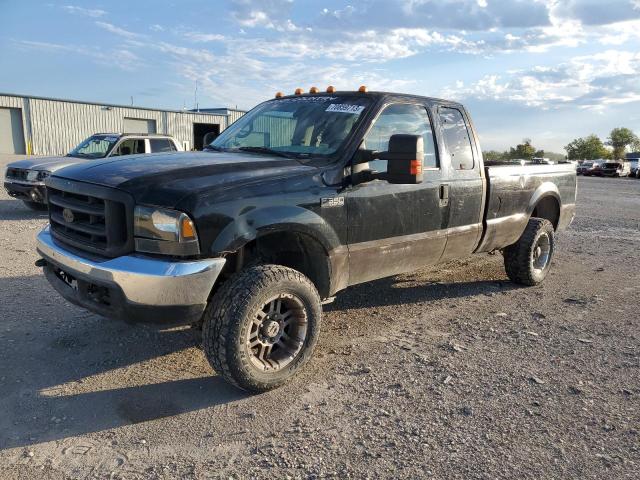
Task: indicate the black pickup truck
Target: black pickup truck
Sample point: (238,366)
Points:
(299,199)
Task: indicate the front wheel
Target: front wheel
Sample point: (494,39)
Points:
(528,260)
(261,327)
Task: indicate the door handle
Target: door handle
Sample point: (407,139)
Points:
(444,195)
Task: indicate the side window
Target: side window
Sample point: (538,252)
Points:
(456,137)
(130,146)
(161,145)
(401,118)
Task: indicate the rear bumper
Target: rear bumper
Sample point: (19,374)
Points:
(26,191)
(131,287)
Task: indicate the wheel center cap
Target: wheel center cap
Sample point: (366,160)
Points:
(270,328)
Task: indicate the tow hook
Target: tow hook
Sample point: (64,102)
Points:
(41,262)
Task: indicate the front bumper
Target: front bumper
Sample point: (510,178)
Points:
(131,287)
(33,192)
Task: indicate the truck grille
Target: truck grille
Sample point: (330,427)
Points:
(17,173)
(90,218)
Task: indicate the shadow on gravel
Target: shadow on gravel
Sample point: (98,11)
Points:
(46,344)
(394,291)
(16,210)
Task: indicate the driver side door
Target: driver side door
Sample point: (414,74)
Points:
(396,228)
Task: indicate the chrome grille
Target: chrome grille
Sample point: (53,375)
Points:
(98,221)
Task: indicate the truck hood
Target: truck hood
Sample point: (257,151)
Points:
(50,164)
(165,178)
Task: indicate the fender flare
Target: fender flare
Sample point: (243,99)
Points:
(546,189)
(261,221)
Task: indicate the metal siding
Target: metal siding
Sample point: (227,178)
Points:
(58,126)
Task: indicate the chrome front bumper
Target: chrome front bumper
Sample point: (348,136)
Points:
(133,287)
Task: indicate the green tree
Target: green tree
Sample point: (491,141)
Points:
(523,150)
(620,139)
(493,156)
(587,148)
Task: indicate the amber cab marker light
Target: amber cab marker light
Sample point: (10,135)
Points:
(331,89)
(299,91)
(415,167)
(363,89)
(279,95)
(313,90)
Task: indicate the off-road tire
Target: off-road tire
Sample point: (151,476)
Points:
(38,207)
(229,315)
(519,257)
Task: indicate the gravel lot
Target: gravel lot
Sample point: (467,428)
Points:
(448,373)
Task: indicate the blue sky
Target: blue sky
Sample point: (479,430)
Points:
(545,69)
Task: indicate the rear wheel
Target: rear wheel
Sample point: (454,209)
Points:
(528,260)
(262,326)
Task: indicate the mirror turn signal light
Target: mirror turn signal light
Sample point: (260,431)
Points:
(279,95)
(299,91)
(415,168)
(314,90)
(331,89)
(363,89)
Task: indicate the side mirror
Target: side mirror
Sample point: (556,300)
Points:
(404,157)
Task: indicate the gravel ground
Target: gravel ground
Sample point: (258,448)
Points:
(446,373)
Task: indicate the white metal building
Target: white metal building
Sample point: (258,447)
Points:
(49,126)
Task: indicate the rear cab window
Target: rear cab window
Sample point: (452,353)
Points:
(456,138)
(161,145)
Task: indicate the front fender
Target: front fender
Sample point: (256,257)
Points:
(260,221)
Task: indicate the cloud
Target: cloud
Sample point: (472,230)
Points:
(597,12)
(204,37)
(272,14)
(87,12)
(109,27)
(588,82)
(119,58)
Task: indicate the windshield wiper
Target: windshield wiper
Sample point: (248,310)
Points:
(213,147)
(267,150)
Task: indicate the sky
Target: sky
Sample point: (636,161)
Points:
(548,70)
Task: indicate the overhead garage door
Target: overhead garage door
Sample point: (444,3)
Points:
(11,134)
(139,125)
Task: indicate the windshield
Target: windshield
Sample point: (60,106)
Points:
(96,146)
(298,127)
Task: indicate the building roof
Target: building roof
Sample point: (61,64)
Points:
(53,99)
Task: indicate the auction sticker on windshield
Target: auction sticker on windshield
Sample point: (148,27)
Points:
(345,108)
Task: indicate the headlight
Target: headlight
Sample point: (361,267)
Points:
(37,175)
(164,231)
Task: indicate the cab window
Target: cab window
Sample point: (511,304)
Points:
(397,119)
(130,146)
(161,145)
(456,137)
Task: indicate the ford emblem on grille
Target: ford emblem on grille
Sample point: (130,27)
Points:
(68,215)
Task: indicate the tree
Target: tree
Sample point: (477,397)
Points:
(524,150)
(587,148)
(620,139)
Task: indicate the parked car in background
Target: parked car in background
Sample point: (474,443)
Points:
(586,167)
(542,161)
(612,169)
(634,167)
(24,179)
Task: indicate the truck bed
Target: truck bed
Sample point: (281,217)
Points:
(512,194)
